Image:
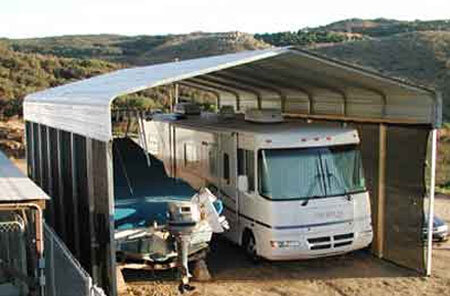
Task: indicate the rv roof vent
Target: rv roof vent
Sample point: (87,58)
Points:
(263,115)
(187,108)
(226,112)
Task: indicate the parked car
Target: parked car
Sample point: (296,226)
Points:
(440,229)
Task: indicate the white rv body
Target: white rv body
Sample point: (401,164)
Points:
(203,150)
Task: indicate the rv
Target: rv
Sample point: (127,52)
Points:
(290,189)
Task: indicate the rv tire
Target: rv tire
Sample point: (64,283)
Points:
(249,244)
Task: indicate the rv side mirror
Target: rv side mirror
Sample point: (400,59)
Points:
(243,183)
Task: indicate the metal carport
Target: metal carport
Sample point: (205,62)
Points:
(69,136)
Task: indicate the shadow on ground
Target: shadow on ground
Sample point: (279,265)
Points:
(227,262)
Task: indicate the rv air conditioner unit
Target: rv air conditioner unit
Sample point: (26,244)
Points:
(187,108)
(264,115)
(226,112)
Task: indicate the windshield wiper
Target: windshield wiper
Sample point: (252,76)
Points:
(311,188)
(306,201)
(348,195)
(329,175)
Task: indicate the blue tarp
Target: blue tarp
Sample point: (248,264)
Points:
(141,191)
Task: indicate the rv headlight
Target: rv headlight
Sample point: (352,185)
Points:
(284,244)
(365,232)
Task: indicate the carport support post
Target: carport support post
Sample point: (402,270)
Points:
(431,201)
(381,205)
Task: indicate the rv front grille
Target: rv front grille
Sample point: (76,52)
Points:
(337,245)
(319,239)
(321,247)
(327,242)
(343,236)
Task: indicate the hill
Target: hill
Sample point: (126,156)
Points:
(382,27)
(351,30)
(139,50)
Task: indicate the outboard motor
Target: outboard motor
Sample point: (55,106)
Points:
(183,218)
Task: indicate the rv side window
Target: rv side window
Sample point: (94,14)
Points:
(246,166)
(241,162)
(226,167)
(250,169)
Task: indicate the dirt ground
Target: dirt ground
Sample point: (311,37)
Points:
(358,273)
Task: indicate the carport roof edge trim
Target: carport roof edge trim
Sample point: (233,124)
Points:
(84,107)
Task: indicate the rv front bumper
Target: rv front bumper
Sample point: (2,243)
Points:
(314,245)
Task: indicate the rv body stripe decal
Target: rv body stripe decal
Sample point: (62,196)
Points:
(289,226)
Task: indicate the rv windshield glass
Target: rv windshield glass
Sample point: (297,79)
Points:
(300,173)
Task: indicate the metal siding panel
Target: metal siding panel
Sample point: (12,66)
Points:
(67,192)
(36,154)
(44,158)
(405,192)
(74,201)
(58,219)
(82,194)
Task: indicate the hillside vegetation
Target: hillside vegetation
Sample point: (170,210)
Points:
(21,74)
(382,27)
(139,50)
(351,30)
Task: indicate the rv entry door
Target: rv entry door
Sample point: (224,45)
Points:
(228,179)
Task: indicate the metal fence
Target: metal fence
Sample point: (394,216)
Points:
(63,273)
(12,248)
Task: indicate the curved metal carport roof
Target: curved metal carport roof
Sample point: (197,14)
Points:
(297,81)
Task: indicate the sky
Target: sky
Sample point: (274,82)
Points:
(40,18)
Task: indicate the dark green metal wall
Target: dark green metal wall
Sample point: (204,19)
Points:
(76,172)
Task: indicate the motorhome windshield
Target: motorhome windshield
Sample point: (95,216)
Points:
(301,173)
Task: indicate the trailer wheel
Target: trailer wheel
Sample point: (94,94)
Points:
(249,244)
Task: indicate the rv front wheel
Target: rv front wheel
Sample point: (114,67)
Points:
(249,244)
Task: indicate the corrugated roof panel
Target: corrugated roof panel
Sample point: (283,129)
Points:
(15,186)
